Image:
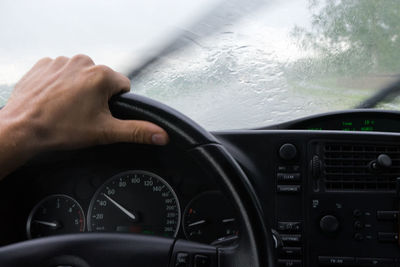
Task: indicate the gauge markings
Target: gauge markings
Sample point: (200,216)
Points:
(135,202)
(202,224)
(56,214)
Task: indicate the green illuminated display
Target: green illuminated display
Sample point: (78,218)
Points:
(368,123)
(367,128)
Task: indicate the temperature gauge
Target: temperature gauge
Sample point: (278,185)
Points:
(210,218)
(56,214)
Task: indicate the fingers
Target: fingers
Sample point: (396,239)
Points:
(107,79)
(81,59)
(132,131)
(58,63)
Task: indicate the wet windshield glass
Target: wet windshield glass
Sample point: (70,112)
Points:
(283,61)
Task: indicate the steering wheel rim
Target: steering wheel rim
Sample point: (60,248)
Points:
(254,246)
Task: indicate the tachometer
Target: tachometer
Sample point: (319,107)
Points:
(135,202)
(210,218)
(56,214)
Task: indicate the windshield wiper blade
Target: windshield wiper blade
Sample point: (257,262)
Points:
(381,95)
(226,13)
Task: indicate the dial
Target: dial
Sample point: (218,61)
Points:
(210,218)
(135,202)
(56,214)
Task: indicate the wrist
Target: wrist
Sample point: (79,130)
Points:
(18,141)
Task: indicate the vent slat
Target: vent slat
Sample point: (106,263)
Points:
(346,167)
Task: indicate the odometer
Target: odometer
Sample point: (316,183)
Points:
(135,202)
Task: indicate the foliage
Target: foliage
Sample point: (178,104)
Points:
(352,36)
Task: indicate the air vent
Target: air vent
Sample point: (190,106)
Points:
(346,167)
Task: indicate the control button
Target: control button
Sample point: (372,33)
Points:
(288,177)
(374,261)
(289,263)
(358,237)
(358,225)
(291,251)
(387,215)
(335,261)
(316,167)
(384,161)
(283,168)
(295,168)
(288,152)
(291,168)
(329,224)
(288,188)
(201,261)
(289,226)
(388,237)
(357,213)
(291,238)
(182,260)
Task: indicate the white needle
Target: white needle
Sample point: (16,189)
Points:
(228,220)
(127,212)
(51,224)
(197,223)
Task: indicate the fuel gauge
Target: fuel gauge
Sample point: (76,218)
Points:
(56,214)
(210,218)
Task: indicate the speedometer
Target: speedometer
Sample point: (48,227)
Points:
(135,202)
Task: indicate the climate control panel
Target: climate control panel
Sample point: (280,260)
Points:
(338,204)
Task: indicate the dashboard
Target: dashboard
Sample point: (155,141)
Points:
(328,186)
(145,190)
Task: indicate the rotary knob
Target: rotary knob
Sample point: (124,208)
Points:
(329,224)
(287,151)
(382,162)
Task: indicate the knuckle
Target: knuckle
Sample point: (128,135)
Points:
(61,59)
(44,60)
(137,135)
(82,58)
(103,72)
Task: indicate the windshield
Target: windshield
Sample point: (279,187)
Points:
(281,61)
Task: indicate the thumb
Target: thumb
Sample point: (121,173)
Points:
(134,131)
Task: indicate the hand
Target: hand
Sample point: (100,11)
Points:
(63,104)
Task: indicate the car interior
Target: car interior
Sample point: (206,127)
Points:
(308,192)
(311,186)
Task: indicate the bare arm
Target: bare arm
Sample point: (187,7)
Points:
(63,104)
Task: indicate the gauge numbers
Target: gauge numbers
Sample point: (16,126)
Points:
(135,202)
(54,215)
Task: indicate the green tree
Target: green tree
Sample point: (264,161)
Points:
(352,36)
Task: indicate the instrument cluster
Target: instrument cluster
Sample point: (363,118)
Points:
(140,202)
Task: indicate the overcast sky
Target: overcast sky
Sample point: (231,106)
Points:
(109,31)
(115,33)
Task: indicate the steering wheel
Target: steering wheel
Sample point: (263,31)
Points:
(254,247)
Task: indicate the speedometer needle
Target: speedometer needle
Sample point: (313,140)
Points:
(127,212)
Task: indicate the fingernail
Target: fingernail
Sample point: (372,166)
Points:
(159,139)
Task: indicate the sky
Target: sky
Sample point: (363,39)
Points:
(111,32)
(116,33)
